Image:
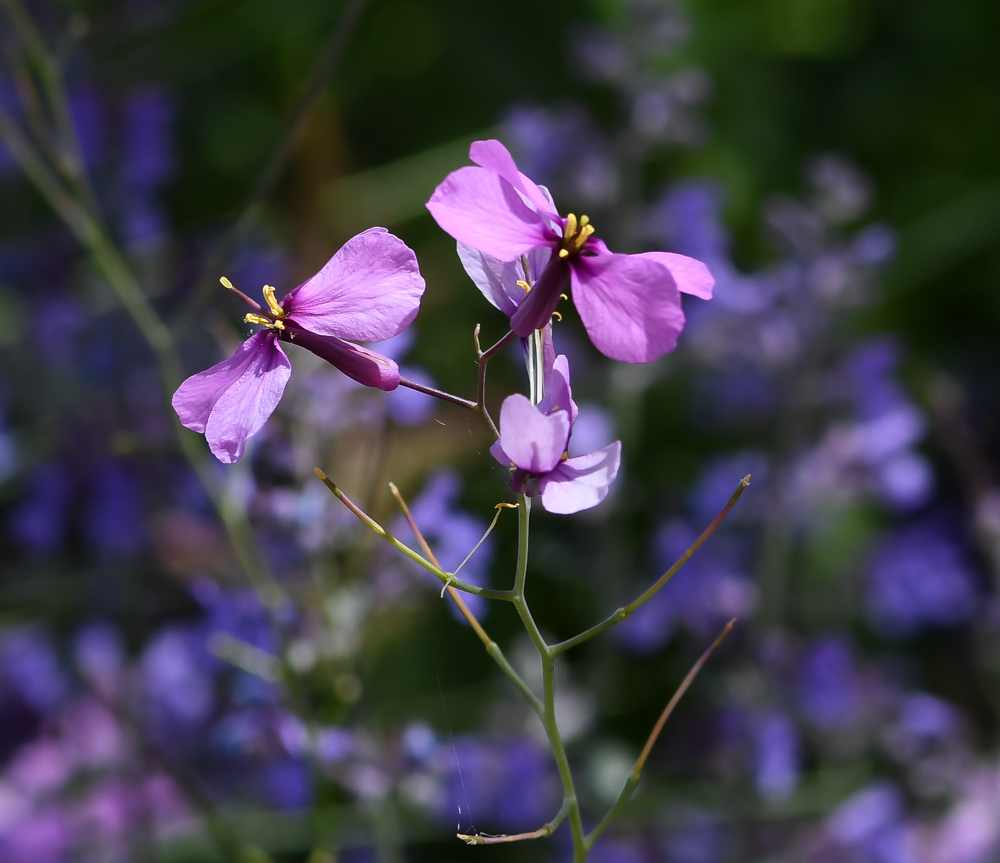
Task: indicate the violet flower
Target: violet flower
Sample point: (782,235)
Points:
(370,290)
(534,441)
(629,304)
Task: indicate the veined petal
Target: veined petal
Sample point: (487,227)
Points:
(196,397)
(629,306)
(481,209)
(690,275)
(369,290)
(244,404)
(534,441)
(495,157)
(361,364)
(582,482)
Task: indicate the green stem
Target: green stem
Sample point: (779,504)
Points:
(626,610)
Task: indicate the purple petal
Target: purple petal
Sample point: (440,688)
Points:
(534,441)
(629,306)
(582,482)
(482,210)
(495,157)
(496,279)
(690,275)
(231,401)
(558,395)
(358,363)
(369,290)
(497,452)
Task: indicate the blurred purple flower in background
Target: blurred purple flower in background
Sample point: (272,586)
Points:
(829,690)
(918,578)
(777,754)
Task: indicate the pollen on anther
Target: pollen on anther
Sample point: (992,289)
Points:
(524,285)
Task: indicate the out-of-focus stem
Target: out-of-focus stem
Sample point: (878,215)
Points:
(626,610)
(636,774)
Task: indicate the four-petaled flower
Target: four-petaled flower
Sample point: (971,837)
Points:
(629,304)
(534,441)
(369,290)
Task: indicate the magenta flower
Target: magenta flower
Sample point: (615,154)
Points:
(370,290)
(629,304)
(534,441)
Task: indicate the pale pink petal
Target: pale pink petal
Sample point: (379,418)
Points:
(690,275)
(495,157)
(479,208)
(582,482)
(243,407)
(534,441)
(369,290)
(629,306)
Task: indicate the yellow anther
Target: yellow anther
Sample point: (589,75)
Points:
(227,284)
(564,253)
(584,220)
(252,318)
(521,283)
(581,238)
(557,316)
(272,303)
(570,229)
(563,297)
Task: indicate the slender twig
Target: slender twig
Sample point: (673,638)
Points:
(268,178)
(483,357)
(492,648)
(543,831)
(445,577)
(500,508)
(438,394)
(636,774)
(625,611)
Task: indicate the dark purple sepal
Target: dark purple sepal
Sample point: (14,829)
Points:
(360,364)
(536,310)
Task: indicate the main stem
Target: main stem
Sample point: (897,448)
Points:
(548,684)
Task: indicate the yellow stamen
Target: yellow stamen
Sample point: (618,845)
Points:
(584,220)
(227,284)
(564,253)
(570,229)
(563,297)
(523,284)
(272,303)
(557,316)
(252,318)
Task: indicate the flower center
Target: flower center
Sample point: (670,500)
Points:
(270,318)
(575,235)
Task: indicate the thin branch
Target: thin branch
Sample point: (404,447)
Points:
(492,648)
(625,611)
(543,831)
(483,357)
(500,507)
(438,394)
(636,773)
(272,171)
(444,577)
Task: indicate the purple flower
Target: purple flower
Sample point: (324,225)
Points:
(828,687)
(777,755)
(369,290)
(629,304)
(534,440)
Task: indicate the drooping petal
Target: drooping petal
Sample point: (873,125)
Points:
(582,482)
(495,157)
(690,275)
(369,290)
(629,306)
(481,209)
(534,441)
(196,397)
(365,366)
(243,407)
(498,280)
(497,452)
(536,311)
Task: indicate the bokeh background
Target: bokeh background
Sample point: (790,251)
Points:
(201,663)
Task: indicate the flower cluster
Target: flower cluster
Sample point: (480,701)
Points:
(521,254)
